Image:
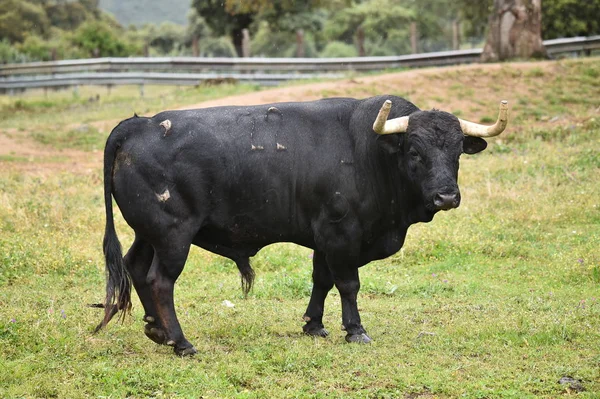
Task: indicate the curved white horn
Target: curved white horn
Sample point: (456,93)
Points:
(478,130)
(383,126)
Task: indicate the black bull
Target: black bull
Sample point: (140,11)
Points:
(235,179)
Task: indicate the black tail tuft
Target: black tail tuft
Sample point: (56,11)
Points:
(118,282)
(247,276)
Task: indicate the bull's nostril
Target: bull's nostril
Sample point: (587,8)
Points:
(446,201)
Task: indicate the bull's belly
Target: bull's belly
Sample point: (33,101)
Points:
(240,233)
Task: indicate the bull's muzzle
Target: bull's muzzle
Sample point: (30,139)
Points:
(444,202)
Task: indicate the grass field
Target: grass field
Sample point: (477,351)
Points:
(497,299)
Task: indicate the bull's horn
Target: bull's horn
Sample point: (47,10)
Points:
(383,126)
(477,130)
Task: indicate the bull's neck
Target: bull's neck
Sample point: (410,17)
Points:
(406,205)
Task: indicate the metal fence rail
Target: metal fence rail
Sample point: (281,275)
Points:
(268,71)
(143,78)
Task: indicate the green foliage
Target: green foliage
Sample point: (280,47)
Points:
(196,26)
(217,47)
(270,42)
(42,30)
(267,43)
(220,21)
(167,38)
(377,17)
(97,39)
(36,48)
(567,18)
(9,54)
(339,49)
(67,15)
(46,29)
(19,18)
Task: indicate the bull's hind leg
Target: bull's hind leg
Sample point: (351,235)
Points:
(322,284)
(167,265)
(138,261)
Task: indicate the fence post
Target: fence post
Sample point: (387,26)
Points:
(300,43)
(360,41)
(413,37)
(455,34)
(195,46)
(245,43)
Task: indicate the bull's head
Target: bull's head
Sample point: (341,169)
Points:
(434,142)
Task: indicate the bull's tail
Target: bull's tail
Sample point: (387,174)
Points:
(118,282)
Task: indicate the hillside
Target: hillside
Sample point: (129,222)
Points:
(139,12)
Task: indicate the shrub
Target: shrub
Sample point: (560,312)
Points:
(9,54)
(217,47)
(97,39)
(339,49)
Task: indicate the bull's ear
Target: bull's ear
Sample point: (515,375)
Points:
(390,143)
(473,145)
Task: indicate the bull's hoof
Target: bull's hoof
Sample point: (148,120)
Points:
(358,338)
(186,351)
(315,329)
(316,332)
(155,333)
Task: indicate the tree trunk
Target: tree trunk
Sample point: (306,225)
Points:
(514,31)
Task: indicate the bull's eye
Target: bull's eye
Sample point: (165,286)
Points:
(414,155)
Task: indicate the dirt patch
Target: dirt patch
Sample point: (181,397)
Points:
(18,151)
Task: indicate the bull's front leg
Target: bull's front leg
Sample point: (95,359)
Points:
(348,284)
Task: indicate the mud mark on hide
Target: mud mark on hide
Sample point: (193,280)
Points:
(123,159)
(272,109)
(164,196)
(167,125)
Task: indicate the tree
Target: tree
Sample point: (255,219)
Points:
(384,23)
(514,31)
(567,18)
(167,38)
(19,18)
(96,39)
(197,29)
(231,17)
(222,21)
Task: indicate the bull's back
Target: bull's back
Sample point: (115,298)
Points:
(248,173)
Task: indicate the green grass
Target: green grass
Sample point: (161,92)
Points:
(497,299)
